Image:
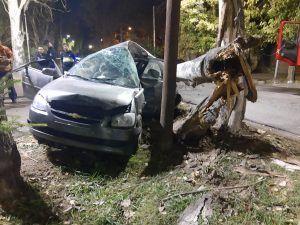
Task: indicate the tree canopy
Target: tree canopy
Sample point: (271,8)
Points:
(199,22)
(198,27)
(263,17)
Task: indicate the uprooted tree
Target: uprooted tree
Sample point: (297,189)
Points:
(231,25)
(225,66)
(228,68)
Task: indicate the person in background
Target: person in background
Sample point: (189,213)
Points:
(51,54)
(67,58)
(6,58)
(41,57)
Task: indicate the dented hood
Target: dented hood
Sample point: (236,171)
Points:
(81,93)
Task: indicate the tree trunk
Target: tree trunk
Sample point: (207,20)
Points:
(10,162)
(227,67)
(231,25)
(17,38)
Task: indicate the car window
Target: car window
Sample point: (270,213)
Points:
(152,71)
(113,66)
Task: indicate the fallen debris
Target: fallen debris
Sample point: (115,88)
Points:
(191,213)
(287,166)
(213,189)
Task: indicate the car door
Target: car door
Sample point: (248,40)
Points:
(33,79)
(151,80)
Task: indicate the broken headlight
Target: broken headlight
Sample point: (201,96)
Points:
(123,120)
(39,103)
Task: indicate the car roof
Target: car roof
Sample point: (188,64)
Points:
(135,50)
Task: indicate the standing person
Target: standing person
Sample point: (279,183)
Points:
(41,57)
(6,58)
(51,54)
(67,58)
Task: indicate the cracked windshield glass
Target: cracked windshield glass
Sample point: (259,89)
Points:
(113,66)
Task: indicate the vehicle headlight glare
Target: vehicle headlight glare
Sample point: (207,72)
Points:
(123,120)
(39,103)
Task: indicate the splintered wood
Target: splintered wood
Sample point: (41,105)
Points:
(227,70)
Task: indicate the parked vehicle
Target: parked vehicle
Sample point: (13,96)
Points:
(98,104)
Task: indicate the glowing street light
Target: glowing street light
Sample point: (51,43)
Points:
(68,35)
(90,46)
(129,28)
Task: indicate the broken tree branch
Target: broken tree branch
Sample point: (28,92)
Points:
(226,67)
(212,189)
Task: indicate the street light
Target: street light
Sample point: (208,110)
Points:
(68,35)
(129,28)
(90,46)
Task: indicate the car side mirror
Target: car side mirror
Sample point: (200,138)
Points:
(50,72)
(153,73)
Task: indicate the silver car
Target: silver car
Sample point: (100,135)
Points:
(98,104)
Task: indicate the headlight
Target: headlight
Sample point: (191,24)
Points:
(39,103)
(124,120)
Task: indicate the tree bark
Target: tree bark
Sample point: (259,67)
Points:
(17,38)
(10,161)
(231,25)
(228,69)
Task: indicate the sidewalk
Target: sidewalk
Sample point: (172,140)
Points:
(267,79)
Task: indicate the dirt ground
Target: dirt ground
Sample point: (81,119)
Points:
(236,175)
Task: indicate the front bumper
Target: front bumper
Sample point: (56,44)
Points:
(61,132)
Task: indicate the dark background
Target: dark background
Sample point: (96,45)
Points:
(101,22)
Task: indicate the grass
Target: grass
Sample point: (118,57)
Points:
(145,194)
(96,194)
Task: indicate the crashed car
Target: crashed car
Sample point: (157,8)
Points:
(98,104)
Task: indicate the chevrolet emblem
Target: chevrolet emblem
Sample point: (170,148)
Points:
(76,116)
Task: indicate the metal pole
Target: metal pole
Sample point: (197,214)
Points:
(291,74)
(276,71)
(170,67)
(154,33)
(27,37)
(121,34)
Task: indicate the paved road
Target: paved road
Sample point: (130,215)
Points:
(276,107)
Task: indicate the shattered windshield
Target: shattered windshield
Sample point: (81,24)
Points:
(113,66)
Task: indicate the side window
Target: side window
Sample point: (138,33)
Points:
(152,71)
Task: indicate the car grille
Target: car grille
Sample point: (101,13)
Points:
(67,116)
(89,114)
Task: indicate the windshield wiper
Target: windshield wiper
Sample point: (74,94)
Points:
(104,80)
(74,75)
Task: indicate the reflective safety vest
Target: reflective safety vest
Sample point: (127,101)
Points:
(67,59)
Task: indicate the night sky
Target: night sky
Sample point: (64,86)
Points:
(89,21)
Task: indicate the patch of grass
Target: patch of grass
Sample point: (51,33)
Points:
(145,193)
(264,206)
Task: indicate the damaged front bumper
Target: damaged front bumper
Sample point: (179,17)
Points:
(55,131)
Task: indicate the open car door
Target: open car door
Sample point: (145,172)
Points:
(34,78)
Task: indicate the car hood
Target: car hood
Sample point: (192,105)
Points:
(88,93)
